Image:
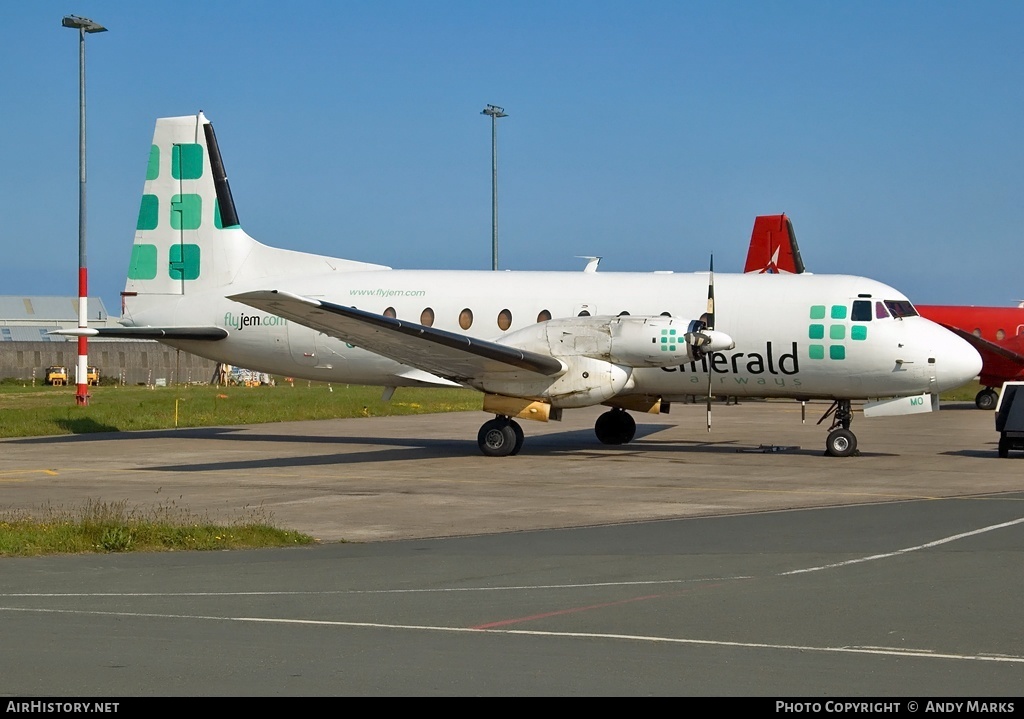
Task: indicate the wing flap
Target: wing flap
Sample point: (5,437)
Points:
(455,357)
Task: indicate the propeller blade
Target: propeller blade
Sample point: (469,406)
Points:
(709,394)
(710,326)
(711,295)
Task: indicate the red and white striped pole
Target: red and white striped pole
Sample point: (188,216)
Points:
(82,392)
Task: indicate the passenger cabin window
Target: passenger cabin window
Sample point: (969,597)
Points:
(543,316)
(390,312)
(466,319)
(583,313)
(1000,334)
(900,308)
(427,317)
(861,311)
(504,320)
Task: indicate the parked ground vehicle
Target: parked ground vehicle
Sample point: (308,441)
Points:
(56,375)
(92,375)
(1010,418)
(248,377)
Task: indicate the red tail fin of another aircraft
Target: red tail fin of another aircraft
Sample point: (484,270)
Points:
(773,247)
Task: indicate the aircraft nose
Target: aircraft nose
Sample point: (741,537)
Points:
(956,361)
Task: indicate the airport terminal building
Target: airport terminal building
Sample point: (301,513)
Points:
(26,350)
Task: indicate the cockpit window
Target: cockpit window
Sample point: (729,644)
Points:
(880,312)
(900,308)
(861,311)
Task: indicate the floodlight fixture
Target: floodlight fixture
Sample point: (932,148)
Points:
(82,23)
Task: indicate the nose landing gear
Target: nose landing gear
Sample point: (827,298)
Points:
(841,442)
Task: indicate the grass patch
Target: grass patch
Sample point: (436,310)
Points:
(44,411)
(966,393)
(27,411)
(104,527)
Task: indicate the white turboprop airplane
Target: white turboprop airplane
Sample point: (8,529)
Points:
(534,343)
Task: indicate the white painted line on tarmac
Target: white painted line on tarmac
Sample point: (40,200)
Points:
(879,651)
(905,550)
(435,590)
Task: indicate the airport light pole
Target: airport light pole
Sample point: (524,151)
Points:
(83,25)
(495,112)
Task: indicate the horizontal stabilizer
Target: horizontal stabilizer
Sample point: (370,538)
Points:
(445,354)
(146,333)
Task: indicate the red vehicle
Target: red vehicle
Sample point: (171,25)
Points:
(996,332)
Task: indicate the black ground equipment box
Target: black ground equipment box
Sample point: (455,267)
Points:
(1010,418)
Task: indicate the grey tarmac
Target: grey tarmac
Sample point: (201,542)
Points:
(381,478)
(740,562)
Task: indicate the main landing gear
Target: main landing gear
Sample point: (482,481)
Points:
(503,437)
(841,442)
(500,437)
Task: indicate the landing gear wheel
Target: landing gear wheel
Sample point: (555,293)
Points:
(497,438)
(629,428)
(840,443)
(986,399)
(615,426)
(520,437)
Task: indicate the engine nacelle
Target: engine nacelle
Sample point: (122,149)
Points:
(589,381)
(600,353)
(663,341)
(623,340)
(582,344)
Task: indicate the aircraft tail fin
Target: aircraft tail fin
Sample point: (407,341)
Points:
(188,237)
(773,248)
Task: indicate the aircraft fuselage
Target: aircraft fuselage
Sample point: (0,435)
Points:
(796,335)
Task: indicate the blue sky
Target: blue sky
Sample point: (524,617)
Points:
(650,133)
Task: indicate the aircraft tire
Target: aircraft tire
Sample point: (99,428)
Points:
(986,399)
(615,426)
(520,437)
(629,427)
(497,438)
(840,443)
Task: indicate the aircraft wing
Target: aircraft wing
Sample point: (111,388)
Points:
(146,333)
(446,354)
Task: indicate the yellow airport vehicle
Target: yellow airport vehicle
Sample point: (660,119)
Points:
(56,375)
